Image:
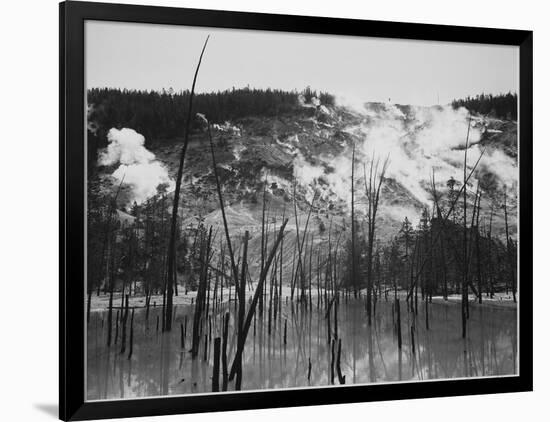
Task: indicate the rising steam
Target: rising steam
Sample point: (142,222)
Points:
(416,140)
(137,165)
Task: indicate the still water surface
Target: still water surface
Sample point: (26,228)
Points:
(159,366)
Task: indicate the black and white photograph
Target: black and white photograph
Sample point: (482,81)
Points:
(275,210)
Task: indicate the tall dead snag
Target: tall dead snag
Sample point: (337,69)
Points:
(224,351)
(353,256)
(200,304)
(300,270)
(173,223)
(297,273)
(116,325)
(110,238)
(131,335)
(310,268)
(414,276)
(251,312)
(292,278)
(332,361)
(490,272)
(398,312)
(465,238)
(372,190)
(509,252)
(341,378)
(242,299)
(124,321)
(441,223)
(280,295)
(216,368)
(263,247)
(234,270)
(112,272)
(105,243)
(478,247)
(335,306)
(272,281)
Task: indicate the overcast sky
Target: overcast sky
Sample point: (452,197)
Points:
(146,56)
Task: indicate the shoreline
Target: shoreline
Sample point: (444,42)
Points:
(101,303)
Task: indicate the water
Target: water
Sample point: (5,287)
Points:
(159,366)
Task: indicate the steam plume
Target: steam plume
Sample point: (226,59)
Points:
(137,165)
(416,140)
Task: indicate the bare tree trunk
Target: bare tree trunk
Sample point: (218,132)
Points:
(240,326)
(216,368)
(341,378)
(131,335)
(440,231)
(478,248)
(465,240)
(222,208)
(173,225)
(353,265)
(398,312)
(490,255)
(255,298)
(124,321)
(372,187)
(509,256)
(224,351)
(300,266)
(112,272)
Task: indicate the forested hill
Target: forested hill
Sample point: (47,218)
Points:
(299,142)
(503,106)
(161,115)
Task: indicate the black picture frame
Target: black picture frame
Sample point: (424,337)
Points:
(73,406)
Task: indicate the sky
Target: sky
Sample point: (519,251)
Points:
(355,69)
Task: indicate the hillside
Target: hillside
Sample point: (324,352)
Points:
(312,146)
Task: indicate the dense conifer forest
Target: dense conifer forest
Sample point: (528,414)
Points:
(503,106)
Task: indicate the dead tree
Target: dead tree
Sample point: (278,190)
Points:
(415,276)
(216,368)
(372,189)
(478,247)
(112,279)
(234,270)
(205,249)
(173,223)
(252,309)
(353,252)
(509,252)
(131,336)
(341,378)
(490,278)
(465,239)
(241,314)
(224,351)
(300,271)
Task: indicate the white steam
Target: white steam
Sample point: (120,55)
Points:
(422,140)
(416,140)
(305,172)
(138,166)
